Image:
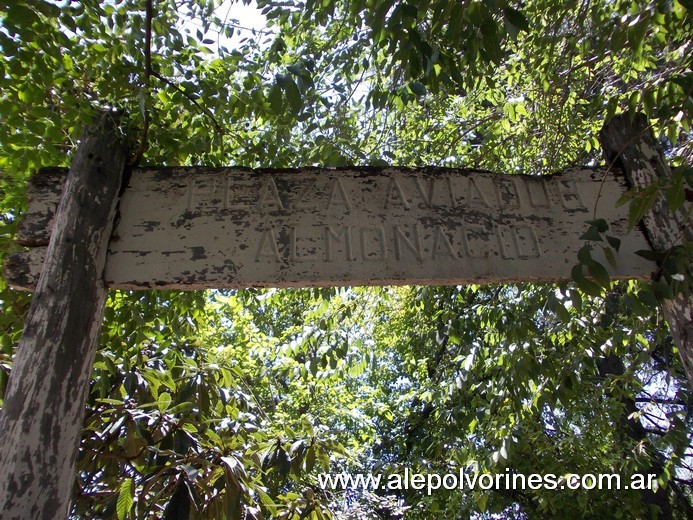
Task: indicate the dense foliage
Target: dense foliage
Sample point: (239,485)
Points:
(229,404)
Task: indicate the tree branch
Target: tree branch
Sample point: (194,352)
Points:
(658,400)
(149,14)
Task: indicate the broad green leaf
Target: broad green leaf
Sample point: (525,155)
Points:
(599,273)
(516,18)
(556,306)
(591,234)
(614,242)
(417,88)
(181,408)
(641,203)
(609,254)
(126,497)
(585,255)
(675,193)
(164,402)
(585,285)
(293,95)
(275,98)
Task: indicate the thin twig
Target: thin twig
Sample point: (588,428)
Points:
(149,14)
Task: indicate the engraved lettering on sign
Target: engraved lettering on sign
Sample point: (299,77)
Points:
(426,192)
(475,232)
(395,194)
(504,242)
(342,237)
(372,241)
(269,196)
(198,190)
(303,201)
(451,192)
(237,196)
(338,196)
(294,256)
(474,196)
(507,193)
(539,196)
(225,193)
(442,248)
(517,242)
(526,242)
(412,244)
(339,218)
(570,195)
(268,249)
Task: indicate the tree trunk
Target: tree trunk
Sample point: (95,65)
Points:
(632,147)
(41,419)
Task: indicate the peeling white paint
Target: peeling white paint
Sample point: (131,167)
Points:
(192,228)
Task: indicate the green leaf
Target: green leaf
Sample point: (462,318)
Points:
(283,462)
(491,41)
(164,401)
(417,88)
(293,95)
(310,459)
(516,18)
(585,254)
(614,242)
(649,254)
(181,408)
(688,4)
(106,400)
(558,308)
(599,273)
(626,197)
(307,425)
(275,98)
(635,305)
(585,285)
(295,69)
(20,15)
(648,298)
(641,203)
(482,501)
(663,290)
(591,234)
(232,497)
(609,254)
(633,103)
(600,224)
(46,8)
(126,497)
(178,508)
(648,101)
(611,108)
(282,80)
(576,298)
(675,193)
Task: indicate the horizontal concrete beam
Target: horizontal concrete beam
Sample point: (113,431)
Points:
(195,228)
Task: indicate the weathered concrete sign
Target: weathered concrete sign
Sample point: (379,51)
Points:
(193,228)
